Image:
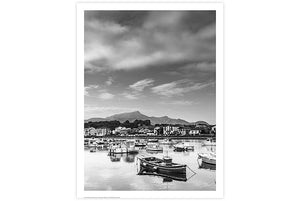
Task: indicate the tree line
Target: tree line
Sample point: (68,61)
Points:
(114,124)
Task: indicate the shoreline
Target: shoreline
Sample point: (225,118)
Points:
(202,137)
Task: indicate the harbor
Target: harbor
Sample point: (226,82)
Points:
(117,164)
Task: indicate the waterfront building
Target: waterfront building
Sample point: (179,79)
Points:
(90,131)
(168,130)
(103,132)
(158,130)
(195,131)
(86,132)
(184,130)
(213,129)
(121,130)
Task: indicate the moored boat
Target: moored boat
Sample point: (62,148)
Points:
(208,158)
(154,147)
(169,176)
(153,140)
(92,150)
(183,147)
(140,143)
(209,142)
(162,166)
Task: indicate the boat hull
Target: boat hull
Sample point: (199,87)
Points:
(153,149)
(140,145)
(171,176)
(210,161)
(180,169)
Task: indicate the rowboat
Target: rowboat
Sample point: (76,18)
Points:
(93,150)
(208,158)
(154,147)
(183,147)
(140,143)
(152,140)
(207,166)
(166,176)
(162,166)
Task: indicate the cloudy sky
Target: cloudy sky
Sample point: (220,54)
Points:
(162,63)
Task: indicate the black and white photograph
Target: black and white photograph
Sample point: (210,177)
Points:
(150,100)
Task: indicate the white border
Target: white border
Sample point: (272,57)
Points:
(81,7)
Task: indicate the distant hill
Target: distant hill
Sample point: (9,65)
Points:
(136,115)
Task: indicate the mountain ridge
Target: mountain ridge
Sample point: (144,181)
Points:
(137,115)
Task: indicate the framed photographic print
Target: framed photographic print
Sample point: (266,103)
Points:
(149,100)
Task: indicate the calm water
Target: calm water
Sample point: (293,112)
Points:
(119,172)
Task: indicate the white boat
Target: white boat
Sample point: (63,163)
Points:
(183,147)
(153,147)
(208,158)
(167,142)
(209,142)
(121,149)
(153,140)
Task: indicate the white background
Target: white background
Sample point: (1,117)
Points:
(38,93)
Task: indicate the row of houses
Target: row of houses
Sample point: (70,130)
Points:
(168,130)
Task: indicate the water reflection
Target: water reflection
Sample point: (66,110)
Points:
(115,158)
(128,158)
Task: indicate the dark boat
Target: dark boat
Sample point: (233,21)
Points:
(162,166)
(183,147)
(166,177)
(140,143)
(207,166)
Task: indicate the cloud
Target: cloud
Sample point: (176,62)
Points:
(140,85)
(159,38)
(106,96)
(109,81)
(105,111)
(178,102)
(201,66)
(88,88)
(177,88)
(135,90)
(130,96)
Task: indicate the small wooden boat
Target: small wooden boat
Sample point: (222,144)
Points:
(92,150)
(183,147)
(154,147)
(207,166)
(140,143)
(208,158)
(152,140)
(166,176)
(162,166)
